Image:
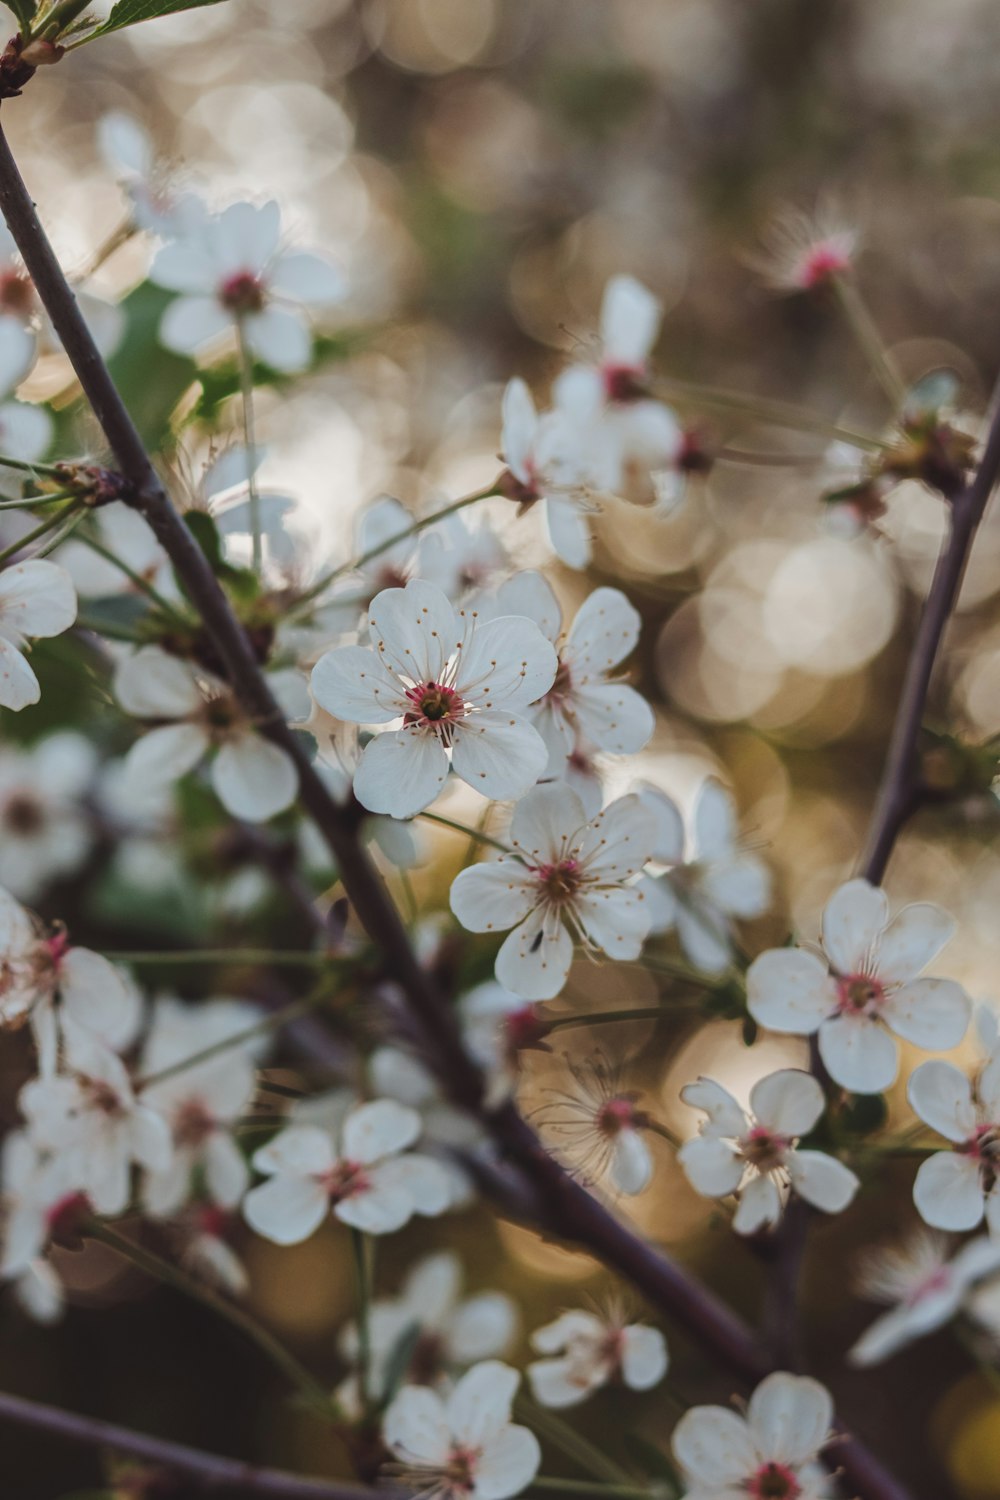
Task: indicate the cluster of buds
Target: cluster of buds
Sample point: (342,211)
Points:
(93,484)
(932,450)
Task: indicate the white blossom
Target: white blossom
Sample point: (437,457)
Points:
(756,1154)
(956,1189)
(128,151)
(585,1352)
(45,828)
(771,1452)
(37,599)
(566,877)
(230,271)
(703,890)
(367,1177)
(497,1026)
(550,461)
(193,714)
(586,701)
(864,990)
(457,683)
(463,1446)
(600,1127)
(924,1286)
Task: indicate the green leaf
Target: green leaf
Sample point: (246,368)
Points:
(130,12)
(150,378)
(206,534)
(24,10)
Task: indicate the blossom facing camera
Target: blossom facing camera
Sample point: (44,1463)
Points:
(460,684)
(549,462)
(463,1446)
(756,1154)
(770,1454)
(864,989)
(956,1189)
(566,877)
(585,1352)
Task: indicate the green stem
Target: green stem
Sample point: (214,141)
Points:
(390,541)
(112,630)
(35,500)
(250,440)
(593,1487)
(566,1438)
(143,584)
(61,534)
(363,1292)
(276,957)
(863,327)
(773,413)
(267,1023)
(472,833)
(49,524)
(50,471)
(173,1276)
(603,1017)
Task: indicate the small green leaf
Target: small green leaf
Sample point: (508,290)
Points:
(152,379)
(24,10)
(130,12)
(400,1359)
(206,534)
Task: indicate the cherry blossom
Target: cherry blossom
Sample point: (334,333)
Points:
(37,599)
(755,1154)
(637,438)
(443,1330)
(498,1026)
(463,1446)
(956,1189)
(718,881)
(805,252)
(458,683)
(600,1127)
(864,990)
(585,1352)
(91,1113)
(232,271)
(924,1287)
(566,877)
(194,713)
(585,701)
(769,1454)
(368,1179)
(45,829)
(128,152)
(41,1196)
(121,531)
(548,462)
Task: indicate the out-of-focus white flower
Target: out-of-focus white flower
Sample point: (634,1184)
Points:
(37,599)
(252,778)
(635,438)
(127,150)
(457,683)
(231,271)
(90,1113)
(550,462)
(600,1127)
(45,830)
(772,1451)
(804,252)
(462,560)
(756,1155)
(585,701)
(585,1352)
(864,988)
(567,876)
(444,1331)
(924,1287)
(369,1178)
(498,1026)
(956,1189)
(122,532)
(463,1446)
(718,881)
(41,1196)
(201,1104)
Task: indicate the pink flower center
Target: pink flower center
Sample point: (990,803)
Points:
(461,1471)
(821,263)
(562,685)
(774,1482)
(616,1115)
(524,1028)
(65,1218)
(764,1149)
(859,994)
(242,293)
(102,1098)
(193,1123)
(560,882)
(937,1281)
(17,294)
(624,383)
(213,1220)
(433,703)
(345,1180)
(23,814)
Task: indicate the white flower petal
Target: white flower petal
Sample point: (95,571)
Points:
(154,685)
(507,1464)
(506,663)
(401,772)
(568,532)
(617,921)
(165,755)
(630,1166)
(790,990)
(493,896)
(726,1117)
(644,1357)
(379,1129)
(630,321)
(913,937)
(534,960)
(788,1102)
(546,822)
(416,1427)
(414,629)
(858,1053)
(498,755)
(37,598)
(18,683)
(759,1206)
(822,1180)
(941,1095)
(308,279)
(853,922)
(352,683)
(480,1405)
(191,323)
(614,717)
(714,1448)
(933,1013)
(948,1193)
(254,779)
(714,821)
(790,1416)
(711,1166)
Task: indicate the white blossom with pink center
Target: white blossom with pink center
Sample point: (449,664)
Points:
(924,1286)
(956,1189)
(863,990)
(368,1178)
(586,1351)
(770,1453)
(459,684)
(586,701)
(554,463)
(462,1446)
(599,1126)
(566,877)
(755,1154)
(232,271)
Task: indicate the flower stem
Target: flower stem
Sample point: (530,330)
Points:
(362,1249)
(33,501)
(604,1017)
(472,833)
(141,583)
(49,524)
(862,325)
(595,1487)
(272,1022)
(772,413)
(566,1438)
(250,440)
(173,1276)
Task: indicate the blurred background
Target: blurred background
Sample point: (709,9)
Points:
(480,168)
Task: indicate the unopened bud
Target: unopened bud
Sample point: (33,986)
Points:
(41,52)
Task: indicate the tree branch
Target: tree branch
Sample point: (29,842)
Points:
(208,1472)
(571,1212)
